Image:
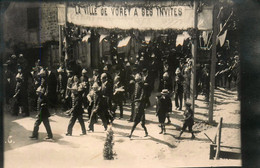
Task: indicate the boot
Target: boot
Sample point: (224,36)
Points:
(192,136)
(180,135)
(164,129)
(161,129)
(169,121)
(146,132)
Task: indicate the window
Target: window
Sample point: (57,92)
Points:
(33,18)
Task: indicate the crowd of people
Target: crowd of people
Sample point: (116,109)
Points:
(74,90)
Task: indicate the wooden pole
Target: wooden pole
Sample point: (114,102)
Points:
(60,44)
(194,56)
(213,64)
(218,139)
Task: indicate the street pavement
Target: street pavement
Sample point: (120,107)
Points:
(156,150)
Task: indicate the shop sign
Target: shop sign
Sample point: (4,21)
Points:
(142,18)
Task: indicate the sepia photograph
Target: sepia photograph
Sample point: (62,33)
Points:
(121,83)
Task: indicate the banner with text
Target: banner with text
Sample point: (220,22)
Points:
(142,18)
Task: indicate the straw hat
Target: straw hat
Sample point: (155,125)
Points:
(165,91)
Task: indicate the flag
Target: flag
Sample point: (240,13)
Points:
(222,38)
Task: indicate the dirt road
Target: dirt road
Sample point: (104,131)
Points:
(156,150)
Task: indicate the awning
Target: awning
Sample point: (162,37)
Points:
(85,38)
(124,42)
(102,36)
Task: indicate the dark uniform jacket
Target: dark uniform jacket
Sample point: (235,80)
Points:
(188,114)
(99,103)
(118,96)
(77,109)
(107,89)
(42,107)
(84,81)
(164,105)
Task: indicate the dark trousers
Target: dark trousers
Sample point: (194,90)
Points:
(46,124)
(132,116)
(137,121)
(72,122)
(24,107)
(93,119)
(178,100)
(120,104)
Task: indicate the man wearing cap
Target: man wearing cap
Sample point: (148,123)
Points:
(68,91)
(61,86)
(139,100)
(99,107)
(18,95)
(85,84)
(76,111)
(188,120)
(164,106)
(43,114)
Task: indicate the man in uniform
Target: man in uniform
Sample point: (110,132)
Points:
(139,100)
(68,91)
(99,107)
(19,90)
(61,86)
(43,114)
(85,84)
(76,111)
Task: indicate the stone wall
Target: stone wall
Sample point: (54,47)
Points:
(16,30)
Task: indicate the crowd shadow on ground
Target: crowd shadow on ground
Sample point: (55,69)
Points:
(18,137)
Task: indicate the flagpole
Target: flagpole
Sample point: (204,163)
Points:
(213,64)
(194,56)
